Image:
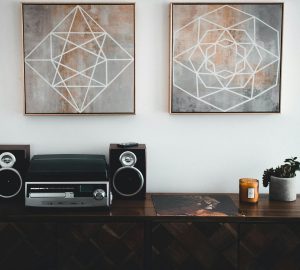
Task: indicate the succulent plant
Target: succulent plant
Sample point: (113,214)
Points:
(286,170)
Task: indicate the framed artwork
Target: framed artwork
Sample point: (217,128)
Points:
(79,59)
(225,58)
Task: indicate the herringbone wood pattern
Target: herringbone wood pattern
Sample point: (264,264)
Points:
(270,246)
(101,246)
(176,246)
(194,246)
(29,246)
(88,246)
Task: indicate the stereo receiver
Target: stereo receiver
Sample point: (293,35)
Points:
(67,181)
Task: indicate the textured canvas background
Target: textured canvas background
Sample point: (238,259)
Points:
(185,36)
(117,21)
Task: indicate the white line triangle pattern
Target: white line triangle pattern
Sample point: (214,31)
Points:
(227,60)
(78,59)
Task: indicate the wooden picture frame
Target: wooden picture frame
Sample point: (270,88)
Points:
(79,58)
(225,57)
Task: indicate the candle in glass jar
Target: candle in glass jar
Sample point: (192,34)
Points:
(249,190)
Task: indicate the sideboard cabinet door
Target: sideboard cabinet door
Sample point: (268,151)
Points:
(269,246)
(28,245)
(100,246)
(194,246)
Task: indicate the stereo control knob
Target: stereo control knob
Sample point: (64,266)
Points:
(99,194)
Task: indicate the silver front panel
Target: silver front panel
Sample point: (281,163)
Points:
(35,197)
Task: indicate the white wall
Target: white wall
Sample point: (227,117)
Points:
(192,153)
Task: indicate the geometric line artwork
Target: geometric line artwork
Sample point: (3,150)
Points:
(78,60)
(226,63)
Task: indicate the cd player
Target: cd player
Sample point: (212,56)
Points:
(67,181)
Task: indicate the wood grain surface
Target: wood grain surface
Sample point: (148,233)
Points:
(143,210)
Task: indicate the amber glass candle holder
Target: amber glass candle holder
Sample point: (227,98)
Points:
(249,190)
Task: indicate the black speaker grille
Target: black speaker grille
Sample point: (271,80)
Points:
(10,182)
(128,181)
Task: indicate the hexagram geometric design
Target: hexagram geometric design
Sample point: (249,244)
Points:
(227,59)
(78,37)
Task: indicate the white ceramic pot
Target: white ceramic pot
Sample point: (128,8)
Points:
(283,189)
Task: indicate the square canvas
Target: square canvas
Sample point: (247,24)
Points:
(225,58)
(79,58)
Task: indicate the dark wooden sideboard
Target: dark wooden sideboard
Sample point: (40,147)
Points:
(132,236)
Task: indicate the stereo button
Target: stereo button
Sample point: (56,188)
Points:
(99,194)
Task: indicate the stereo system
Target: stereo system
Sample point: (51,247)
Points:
(14,162)
(67,181)
(127,170)
(72,180)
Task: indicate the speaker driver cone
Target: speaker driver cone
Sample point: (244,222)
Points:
(132,184)
(10,182)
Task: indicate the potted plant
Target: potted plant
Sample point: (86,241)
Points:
(282,180)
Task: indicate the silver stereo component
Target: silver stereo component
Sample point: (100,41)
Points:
(68,194)
(67,181)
